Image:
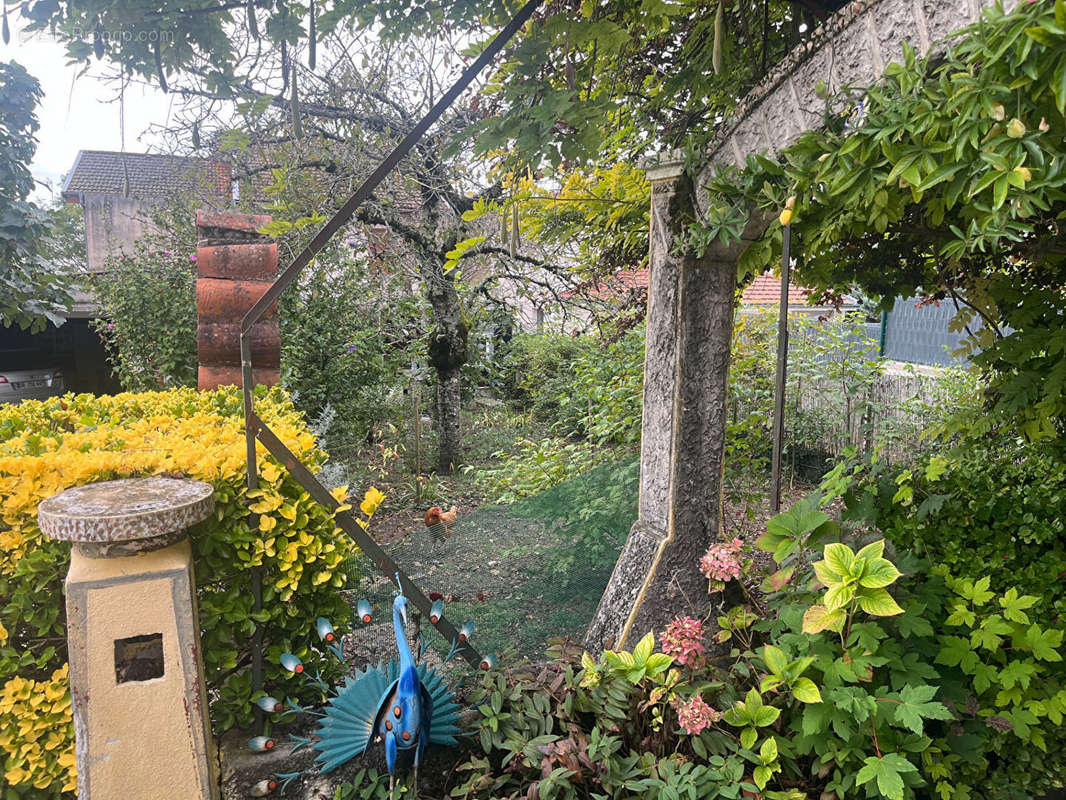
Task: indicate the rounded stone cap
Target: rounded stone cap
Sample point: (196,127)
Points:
(125,510)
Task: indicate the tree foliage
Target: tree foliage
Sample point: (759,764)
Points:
(31,290)
(583,84)
(946,180)
(593,79)
(599,216)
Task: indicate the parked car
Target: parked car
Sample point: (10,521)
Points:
(17,385)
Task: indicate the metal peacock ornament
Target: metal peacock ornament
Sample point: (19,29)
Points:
(402,704)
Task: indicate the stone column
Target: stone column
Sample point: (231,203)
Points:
(235,265)
(136,676)
(686,369)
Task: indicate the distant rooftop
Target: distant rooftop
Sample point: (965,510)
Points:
(764,290)
(143,175)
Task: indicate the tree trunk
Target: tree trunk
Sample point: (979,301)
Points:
(448,414)
(448,351)
(686,371)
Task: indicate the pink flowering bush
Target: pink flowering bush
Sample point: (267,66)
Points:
(147,318)
(694,714)
(683,640)
(721,563)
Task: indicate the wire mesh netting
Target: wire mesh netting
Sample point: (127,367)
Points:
(523,573)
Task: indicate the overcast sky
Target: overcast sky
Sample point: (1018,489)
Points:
(75,113)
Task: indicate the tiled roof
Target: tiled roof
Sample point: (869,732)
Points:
(617,286)
(765,290)
(144,175)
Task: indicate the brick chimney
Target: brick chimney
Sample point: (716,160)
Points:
(235,266)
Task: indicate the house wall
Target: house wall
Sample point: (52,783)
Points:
(111,223)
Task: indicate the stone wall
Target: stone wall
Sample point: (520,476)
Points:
(848,51)
(682,437)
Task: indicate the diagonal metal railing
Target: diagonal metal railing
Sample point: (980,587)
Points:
(256,429)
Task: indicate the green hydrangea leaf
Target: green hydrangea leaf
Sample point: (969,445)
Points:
(839,558)
(879,603)
(879,573)
(818,618)
(872,551)
(839,595)
(805,691)
(775,659)
(748,737)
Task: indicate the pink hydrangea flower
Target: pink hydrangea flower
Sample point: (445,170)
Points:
(721,562)
(694,715)
(192,258)
(683,639)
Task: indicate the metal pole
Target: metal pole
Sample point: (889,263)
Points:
(416,405)
(253,484)
(782,364)
(346,522)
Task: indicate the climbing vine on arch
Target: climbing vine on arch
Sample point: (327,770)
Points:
(946,180)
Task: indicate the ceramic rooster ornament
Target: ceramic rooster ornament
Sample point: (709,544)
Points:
(440,523)
(403,705)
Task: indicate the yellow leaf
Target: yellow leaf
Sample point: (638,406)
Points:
(371,501)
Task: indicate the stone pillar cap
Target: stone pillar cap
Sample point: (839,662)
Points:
(125,510)
(667,165)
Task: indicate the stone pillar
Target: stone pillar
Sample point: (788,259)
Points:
(686,369)
(235,266)
(136,676)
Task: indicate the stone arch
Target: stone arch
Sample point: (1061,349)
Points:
(690,312)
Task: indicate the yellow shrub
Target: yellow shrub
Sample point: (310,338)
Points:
(49,446)
(37,734)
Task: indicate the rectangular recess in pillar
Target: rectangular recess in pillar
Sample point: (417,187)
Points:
(139,658)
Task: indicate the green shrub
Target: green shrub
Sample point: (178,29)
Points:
(148,316)
(991,507)
(535,465)
(347,341)
(539,370)
(48,446)
(848,679)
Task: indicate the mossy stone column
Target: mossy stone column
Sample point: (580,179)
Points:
(689,331)
(136,676)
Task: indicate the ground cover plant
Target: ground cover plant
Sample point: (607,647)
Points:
(48,446)
(851,677)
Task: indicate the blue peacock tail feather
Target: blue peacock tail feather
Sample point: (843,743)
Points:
(355,715)
(446,710)
(347,727)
